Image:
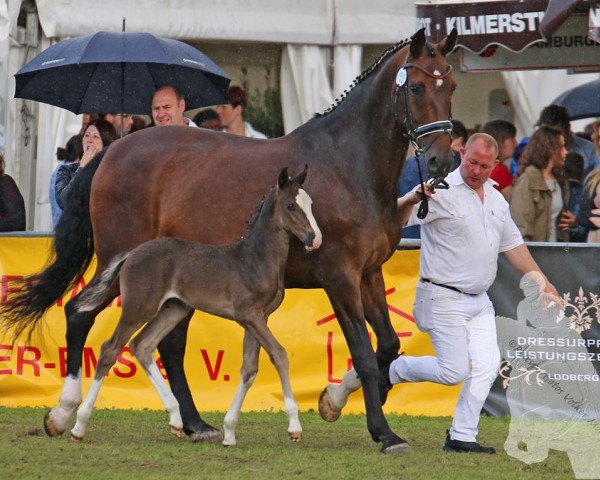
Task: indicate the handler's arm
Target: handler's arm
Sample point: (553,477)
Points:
(522,261)
(407,202)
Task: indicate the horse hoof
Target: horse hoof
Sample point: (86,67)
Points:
(207,436)
(398,448)
(75,438)
(178,432)
(50,427)
(295,436)
(327,410)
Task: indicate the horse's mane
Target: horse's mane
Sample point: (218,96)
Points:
(254,217)
(365,74)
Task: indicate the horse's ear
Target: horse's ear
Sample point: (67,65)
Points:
(284,178)
(417,42)
(301,176)
(448,43)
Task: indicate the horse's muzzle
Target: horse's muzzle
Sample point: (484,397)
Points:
(313,241)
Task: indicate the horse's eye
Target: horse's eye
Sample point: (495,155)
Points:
(291,207)
(417,89)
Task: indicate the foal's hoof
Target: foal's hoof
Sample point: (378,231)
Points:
(398,448)
(75,438)
(207,436)
(327,410)
(178,432)
(295,436)
(50,426)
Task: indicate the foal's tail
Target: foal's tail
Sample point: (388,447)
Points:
(72,252)
(96,294)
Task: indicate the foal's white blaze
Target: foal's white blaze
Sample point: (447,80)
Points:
(305,202)
(440,81)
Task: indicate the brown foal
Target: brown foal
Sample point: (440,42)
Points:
(242,281)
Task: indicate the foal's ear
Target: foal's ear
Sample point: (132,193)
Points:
(448,43)
(284,178)
(417,42)
(301,176)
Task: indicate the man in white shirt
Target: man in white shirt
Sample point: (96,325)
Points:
(232,115)
(168,106)
(467,226)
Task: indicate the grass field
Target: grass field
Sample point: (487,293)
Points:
(125,444)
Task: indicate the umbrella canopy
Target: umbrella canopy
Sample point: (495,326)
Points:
(110,72)
(582,101)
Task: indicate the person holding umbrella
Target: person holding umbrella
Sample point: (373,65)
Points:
(168,106)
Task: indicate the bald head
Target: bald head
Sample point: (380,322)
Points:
(478,160)
(168,106)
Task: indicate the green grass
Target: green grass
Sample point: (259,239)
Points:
(127,444)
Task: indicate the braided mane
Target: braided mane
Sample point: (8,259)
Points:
(365,74)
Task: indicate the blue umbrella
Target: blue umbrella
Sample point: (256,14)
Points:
(118,72)
(582,101)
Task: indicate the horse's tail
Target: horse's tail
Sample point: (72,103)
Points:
(72,252)
(96,294)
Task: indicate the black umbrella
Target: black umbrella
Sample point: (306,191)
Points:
(582,101)
(118,73)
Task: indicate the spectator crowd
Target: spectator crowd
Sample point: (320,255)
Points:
(551,179)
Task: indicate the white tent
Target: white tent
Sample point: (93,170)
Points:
(319,44)
(320,39)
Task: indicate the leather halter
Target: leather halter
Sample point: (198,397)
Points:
(414,133)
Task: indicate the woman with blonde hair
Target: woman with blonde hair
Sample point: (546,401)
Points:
(541,193)
(12,206)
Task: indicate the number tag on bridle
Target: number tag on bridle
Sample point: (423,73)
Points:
(401,77)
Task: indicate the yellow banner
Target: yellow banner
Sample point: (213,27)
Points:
(32,374)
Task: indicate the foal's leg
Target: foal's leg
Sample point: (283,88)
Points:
(108,356)
(257,325)
(58,418)
(172,352)
(143,345)
(247,374)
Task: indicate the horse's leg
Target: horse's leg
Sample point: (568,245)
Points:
(108,356)
(256,324)
(143,345)
(334,397)
(345,297)
(172,351)
(247,374)
(58,418)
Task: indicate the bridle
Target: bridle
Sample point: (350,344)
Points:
(414,133)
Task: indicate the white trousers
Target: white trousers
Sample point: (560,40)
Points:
(463,333)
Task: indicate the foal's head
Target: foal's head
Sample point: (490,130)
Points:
(295,209)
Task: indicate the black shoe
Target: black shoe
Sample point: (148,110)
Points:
(459,446)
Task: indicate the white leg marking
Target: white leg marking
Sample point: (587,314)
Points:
(165,394)
(338,394)
(70,398)
(233,414)
(85,411)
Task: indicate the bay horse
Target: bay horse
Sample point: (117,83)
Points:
(242,281)
(195,184)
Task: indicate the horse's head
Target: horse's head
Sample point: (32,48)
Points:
(422,93)
(295,207)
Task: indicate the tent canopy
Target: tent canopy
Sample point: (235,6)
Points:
(316,22)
